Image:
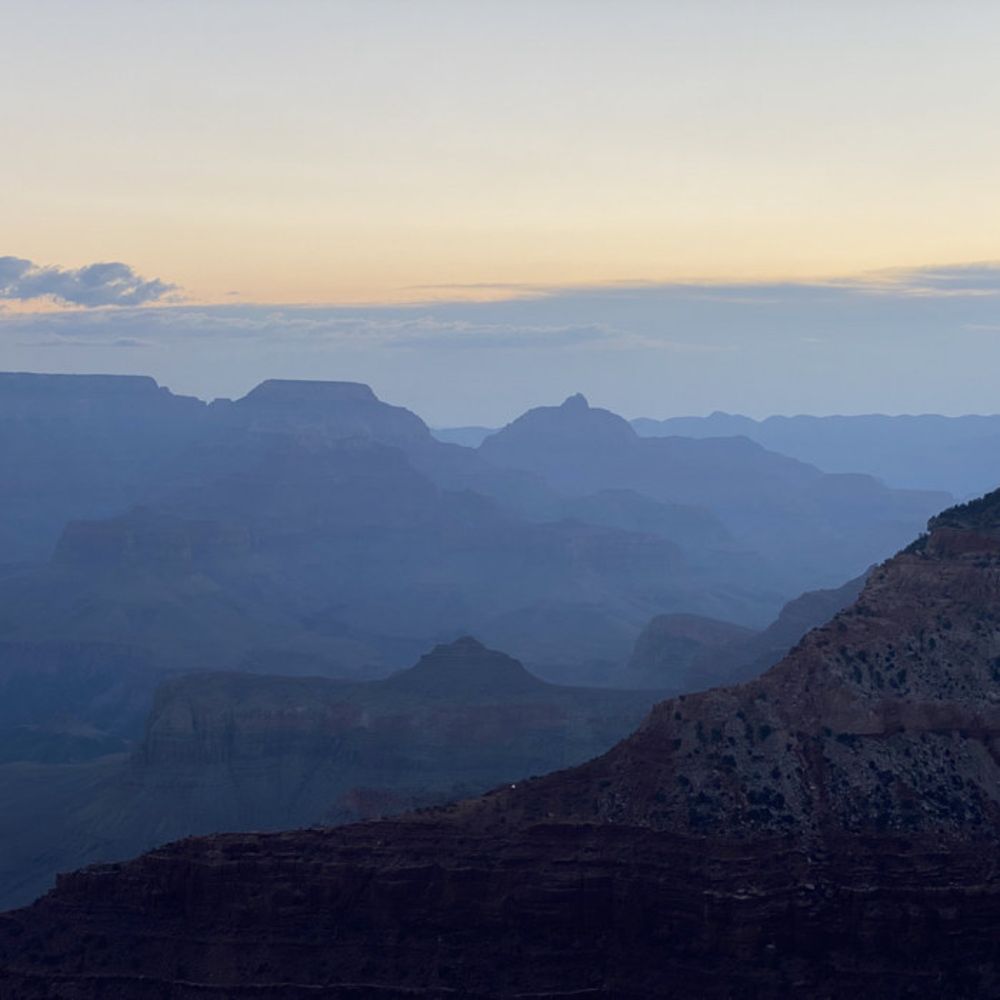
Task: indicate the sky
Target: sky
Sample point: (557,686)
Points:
(673,206)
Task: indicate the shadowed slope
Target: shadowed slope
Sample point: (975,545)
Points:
(235,751)
(816,528)
(831,829)
(284,525)
(81,446)
(926,451)
(687,653)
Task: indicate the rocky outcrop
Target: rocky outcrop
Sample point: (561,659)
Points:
(225,751)
(462,710)
(831,829)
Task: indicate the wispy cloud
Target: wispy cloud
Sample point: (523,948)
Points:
(905,341)
(942,281)
(103,284)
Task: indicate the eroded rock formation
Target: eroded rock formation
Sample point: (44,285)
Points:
(830,829)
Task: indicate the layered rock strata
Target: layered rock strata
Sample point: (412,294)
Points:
(831,829)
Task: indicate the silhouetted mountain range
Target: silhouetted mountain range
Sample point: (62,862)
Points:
(310,527)
(955,455)
(808,522)
(960,455)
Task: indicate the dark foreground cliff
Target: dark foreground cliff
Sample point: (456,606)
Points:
(831,829)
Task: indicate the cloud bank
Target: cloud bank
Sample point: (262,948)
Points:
(103,284)
(962,280)
(921,340)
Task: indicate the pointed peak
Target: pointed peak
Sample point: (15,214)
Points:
(578,401)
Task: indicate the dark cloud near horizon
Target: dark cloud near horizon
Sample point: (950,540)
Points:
(109,283)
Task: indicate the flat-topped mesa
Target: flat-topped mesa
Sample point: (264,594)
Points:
(305,392)
(32,383)
(51,395)
(332,410)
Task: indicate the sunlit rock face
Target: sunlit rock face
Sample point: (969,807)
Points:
(831,829)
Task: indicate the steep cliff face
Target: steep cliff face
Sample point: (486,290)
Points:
(831,829)
(233,751)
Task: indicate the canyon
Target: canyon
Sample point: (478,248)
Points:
(828,829)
